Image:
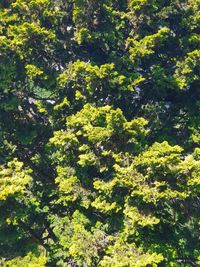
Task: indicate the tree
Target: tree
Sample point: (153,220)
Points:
(99,119)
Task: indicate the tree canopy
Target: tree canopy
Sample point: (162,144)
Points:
(99,133)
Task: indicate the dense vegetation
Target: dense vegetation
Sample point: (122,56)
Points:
(99,133)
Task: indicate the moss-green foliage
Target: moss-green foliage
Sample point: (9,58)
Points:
(27,261)
(13,179)
(99,133)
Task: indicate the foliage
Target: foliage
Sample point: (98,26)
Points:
(99,133)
